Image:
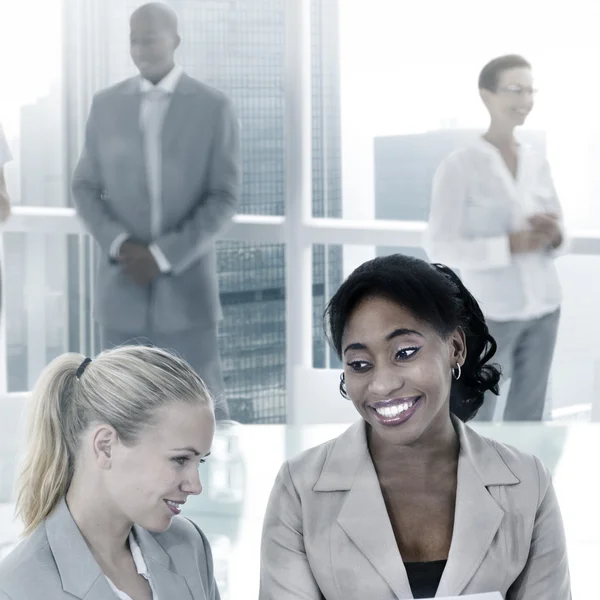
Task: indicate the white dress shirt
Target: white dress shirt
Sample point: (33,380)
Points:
(476,203)
(142,569)
(153,109)
(5,155)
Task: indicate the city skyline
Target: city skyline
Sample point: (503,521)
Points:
(219,49)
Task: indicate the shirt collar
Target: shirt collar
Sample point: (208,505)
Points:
(167,84)
(138,559)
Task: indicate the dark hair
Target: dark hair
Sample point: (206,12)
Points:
(435,295)
(488,78)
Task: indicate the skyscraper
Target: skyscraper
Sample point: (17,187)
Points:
(238,46)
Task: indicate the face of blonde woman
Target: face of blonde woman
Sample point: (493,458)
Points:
(148,483)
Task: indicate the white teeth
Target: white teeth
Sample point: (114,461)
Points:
(174,504)
(394,411)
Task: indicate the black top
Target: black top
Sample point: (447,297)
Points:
(424,577)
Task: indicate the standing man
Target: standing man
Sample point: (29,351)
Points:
(156,186)
(496,216)
(5,156)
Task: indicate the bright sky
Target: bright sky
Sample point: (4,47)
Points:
(411,64)
(406,65)
(30,54)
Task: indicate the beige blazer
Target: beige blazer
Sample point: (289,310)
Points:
(55,563)
(327,534)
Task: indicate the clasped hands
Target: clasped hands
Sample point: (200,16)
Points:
(544,232)
(138,262)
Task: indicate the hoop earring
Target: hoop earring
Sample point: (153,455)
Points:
(343,391)
(456,372)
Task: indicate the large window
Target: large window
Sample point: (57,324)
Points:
(409,94)
(409,97)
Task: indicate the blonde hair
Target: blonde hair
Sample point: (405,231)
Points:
(123,387)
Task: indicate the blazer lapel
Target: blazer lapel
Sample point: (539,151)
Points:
(167,582)
(365,520)
(176,118)
(79,572)
(477,515)
(128,115)
(363,515)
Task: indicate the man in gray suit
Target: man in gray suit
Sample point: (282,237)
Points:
(156,185)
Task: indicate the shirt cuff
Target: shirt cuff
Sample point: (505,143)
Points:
(161,260)
(115,247)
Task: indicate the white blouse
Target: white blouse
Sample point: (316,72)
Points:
(476,203)
(141,567)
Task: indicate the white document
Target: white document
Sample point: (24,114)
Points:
(490,596)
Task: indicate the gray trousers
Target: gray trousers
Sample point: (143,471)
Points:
(198,346)
(525,351)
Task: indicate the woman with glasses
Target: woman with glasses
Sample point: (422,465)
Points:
(496,217)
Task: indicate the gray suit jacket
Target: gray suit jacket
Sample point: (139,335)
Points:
(327,534)
(200,191)
(55,563)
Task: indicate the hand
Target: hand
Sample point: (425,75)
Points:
(522,242)
(4,207)
(547,224)
(138,262)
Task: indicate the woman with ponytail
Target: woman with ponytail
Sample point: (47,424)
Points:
(410,502)
(113,452)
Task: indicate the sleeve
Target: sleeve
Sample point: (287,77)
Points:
(553,205)
(445,240)
(196,235)
(546,573)
(207,567)
(115,247)
(285,572)
(5,154)
(159,257)
(88,192)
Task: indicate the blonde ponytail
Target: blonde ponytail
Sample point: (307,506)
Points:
(48,464)
(124,387)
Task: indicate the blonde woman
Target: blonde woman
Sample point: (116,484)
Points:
(113,452)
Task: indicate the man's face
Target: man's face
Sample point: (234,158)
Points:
(152,46)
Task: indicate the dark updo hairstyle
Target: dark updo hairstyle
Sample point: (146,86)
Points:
(435,295)
(490,74)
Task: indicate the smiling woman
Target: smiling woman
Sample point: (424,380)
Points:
(410,502)
(113,453)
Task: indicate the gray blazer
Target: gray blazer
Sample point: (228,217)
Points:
(327,534)
(55,563)
(200,191)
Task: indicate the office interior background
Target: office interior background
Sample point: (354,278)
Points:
(345,117)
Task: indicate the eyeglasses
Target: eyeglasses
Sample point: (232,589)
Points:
(518,90)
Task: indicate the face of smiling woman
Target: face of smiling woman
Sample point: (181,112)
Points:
(398,371)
